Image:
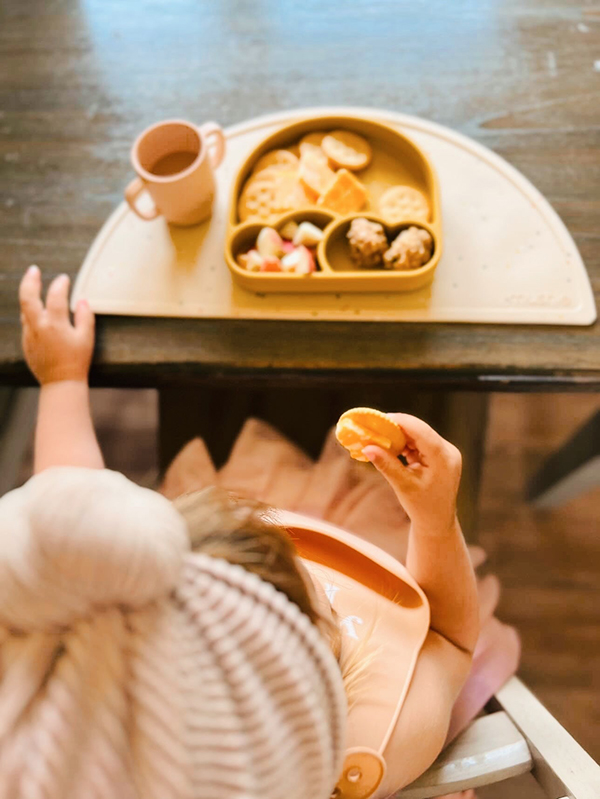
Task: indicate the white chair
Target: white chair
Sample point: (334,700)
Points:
(516,735)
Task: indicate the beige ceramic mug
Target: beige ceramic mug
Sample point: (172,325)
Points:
(174,161)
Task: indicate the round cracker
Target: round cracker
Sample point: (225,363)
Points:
(347,150)
(403,203)
(271,192)
(360,427)
(259,197)
(277,158)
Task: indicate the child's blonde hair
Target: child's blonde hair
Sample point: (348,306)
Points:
(246,533)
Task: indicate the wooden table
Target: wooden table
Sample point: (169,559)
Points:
(78,80)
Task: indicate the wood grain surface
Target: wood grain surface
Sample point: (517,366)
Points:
(79,79)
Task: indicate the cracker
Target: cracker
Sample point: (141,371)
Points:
(403,203)
(347,150)
(271,192)
(361,427)
(277,158)
(345,195)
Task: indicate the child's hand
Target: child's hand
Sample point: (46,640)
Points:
(427,486)
(54,348)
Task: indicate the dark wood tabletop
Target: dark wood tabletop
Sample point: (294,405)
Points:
(78,80)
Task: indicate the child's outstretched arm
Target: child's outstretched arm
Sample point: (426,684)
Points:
(437,555)
(59,354)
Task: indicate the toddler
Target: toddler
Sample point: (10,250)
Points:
(220,674)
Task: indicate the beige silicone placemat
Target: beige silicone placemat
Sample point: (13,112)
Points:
(508,258)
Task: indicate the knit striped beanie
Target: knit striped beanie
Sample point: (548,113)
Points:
(132,668)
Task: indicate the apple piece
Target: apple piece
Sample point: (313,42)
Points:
(308,234)
(254,261)
(301,261)
(271,263)
(288,231)
(269,242)
(242,260)
(287,246)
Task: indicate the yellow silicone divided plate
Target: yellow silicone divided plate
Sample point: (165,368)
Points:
(396,161)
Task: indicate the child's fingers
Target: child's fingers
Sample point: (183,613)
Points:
(84,318)
(30,297)
(400,477)
(420,435)
(57,298)
(411,455)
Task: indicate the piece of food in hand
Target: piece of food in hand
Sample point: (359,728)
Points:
(276,158)
(347,150)
(345,195)
(269,242)
(288,231)
(314,171)
(300,261)
(410,250)
(361,427)
(271,263)
(403,203)
(251,260)
(368,243)
(308,234)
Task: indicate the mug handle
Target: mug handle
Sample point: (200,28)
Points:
(131,194)
(216,147)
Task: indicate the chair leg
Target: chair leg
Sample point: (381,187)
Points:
(571,470)
(561,766)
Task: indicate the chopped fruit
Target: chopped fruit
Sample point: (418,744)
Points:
(308,234)
(288,231)
(345,195)
(254,261)
(242,260)
(301,261)
(271,263)
(296,259)
(269,242)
